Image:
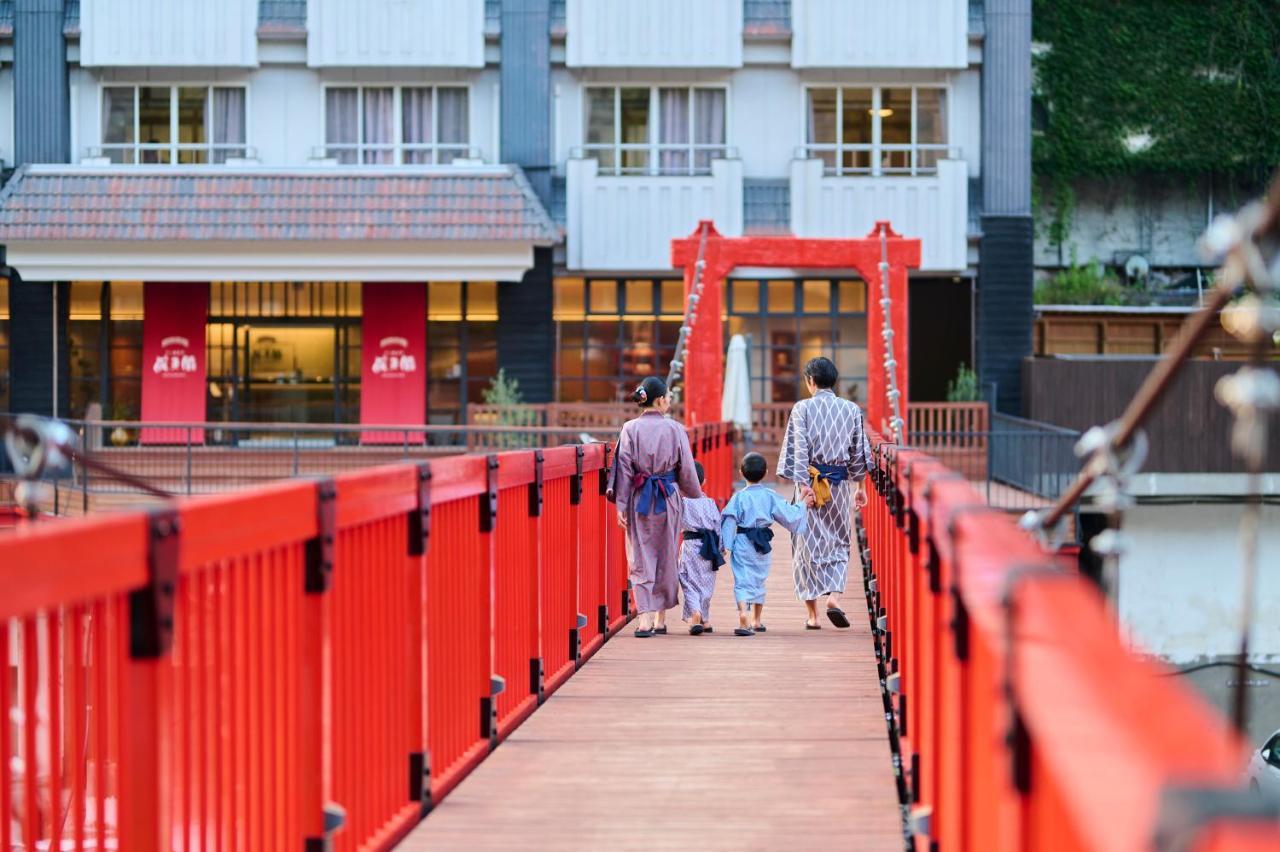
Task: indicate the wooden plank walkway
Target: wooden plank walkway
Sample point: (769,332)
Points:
(776,741)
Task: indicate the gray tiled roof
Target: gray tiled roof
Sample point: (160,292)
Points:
(197,203)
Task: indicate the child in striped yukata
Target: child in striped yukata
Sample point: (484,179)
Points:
(701,556)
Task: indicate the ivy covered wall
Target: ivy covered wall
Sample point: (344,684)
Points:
(1183,95)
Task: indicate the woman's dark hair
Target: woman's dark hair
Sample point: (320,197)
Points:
(754,467)
(822,371)
(702,473)
(649,390)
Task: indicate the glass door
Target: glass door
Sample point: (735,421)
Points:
(289,374)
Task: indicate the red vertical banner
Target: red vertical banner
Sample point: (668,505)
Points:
(174,315)
(393,387)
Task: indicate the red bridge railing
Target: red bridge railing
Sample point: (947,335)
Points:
(252,670)
(1023,720)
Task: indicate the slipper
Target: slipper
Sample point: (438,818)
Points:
(808,626)
(707,628)
(696,630)
(760,629)
(660,631)
(837,616)
(743,631)
(643,634)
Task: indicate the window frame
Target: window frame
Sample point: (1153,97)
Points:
(877,148)
(399,147)
(653,146)
(173,147)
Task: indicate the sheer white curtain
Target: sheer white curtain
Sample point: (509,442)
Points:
(228,124)
(341,124)
(415,118)
(452,115)
(673,131)
(379,126)
(708,127)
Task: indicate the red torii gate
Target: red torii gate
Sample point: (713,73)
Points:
(704,354)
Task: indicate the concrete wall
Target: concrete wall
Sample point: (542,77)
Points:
(169,32)
(1178,597)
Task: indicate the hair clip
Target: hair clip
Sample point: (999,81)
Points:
(641,394)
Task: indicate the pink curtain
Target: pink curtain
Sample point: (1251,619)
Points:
(379,125)
(228,123)
(673,129)
(341,123)
(415,116)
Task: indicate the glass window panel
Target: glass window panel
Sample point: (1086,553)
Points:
(673,296)
(227,112)
(673,116)
(153,121)
(572,333)
(342,122)
(117,115)
(602,333)
(708,116)
(853,161)
(746,297)
(126,300)
(126,348)
(86,300)
(851,364)
(857,118)
(193,108)
(453,114)
(604,297)
(600,117)
(895,116)
(822,117)
(599,391)
(569,303)
(782,296)
(853,297)
(668,333)
(640,296)
(482,300)
(851,331)
(378,115)
(605,361)
(571,362)
(443,361)
(634,105)
(931,116)
(444,300)
(126,399)
(415,122)
(817,297)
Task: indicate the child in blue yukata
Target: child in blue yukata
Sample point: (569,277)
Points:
(746,530)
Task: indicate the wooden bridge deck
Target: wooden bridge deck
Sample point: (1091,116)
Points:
(776,741)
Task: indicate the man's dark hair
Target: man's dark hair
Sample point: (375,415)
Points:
(754,467)
(648,391)
(702,474)
(822,371)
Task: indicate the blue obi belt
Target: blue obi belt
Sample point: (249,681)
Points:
(760,538)
(652,491)
(711,547)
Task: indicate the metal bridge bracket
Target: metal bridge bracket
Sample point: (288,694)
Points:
(535,487)
(320,549)
(335,817)
(913,532)
(604,471)
(151,607)
(933,566)
(626,600)
(602,622)
(420,779)
(959,625)
(420,515)
(489,499)
(575,484)
(537,679)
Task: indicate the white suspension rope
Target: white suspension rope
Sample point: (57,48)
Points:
(893,396)
(676,371)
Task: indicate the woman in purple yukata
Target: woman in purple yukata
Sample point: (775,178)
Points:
(655,467)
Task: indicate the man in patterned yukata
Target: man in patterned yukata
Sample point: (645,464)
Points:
(825,446)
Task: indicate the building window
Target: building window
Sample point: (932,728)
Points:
(392,125)
(462,346)
(104,348)
(610,333)
(800,320)
(877,131)
(656,130)
(173,124)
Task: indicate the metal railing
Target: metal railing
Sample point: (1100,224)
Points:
(1016,465)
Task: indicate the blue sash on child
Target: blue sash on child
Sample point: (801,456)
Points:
(710,549)
(759,538)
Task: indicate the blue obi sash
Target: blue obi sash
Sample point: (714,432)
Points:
(833,473)
(711,547)
(652,491)
(760,538)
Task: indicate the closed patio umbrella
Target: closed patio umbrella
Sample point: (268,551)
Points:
(735,406)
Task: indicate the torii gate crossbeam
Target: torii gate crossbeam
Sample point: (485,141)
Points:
(704,357)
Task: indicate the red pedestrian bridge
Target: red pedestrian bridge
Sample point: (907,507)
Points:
(325,663)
